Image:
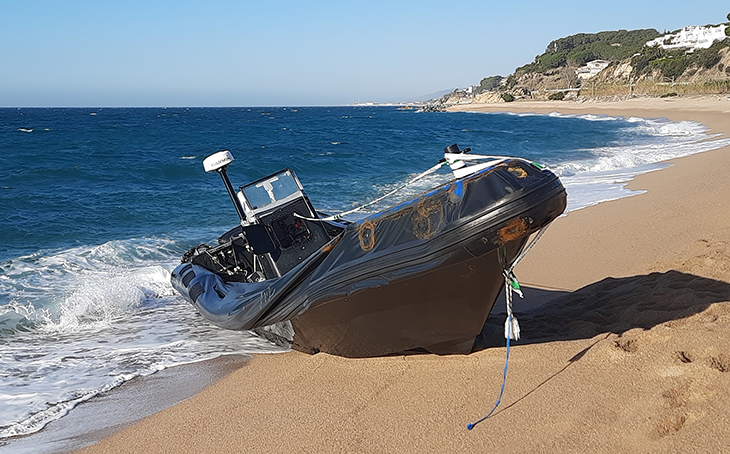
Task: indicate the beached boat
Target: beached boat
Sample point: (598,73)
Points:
(422,275)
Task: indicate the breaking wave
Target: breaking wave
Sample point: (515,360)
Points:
(78,322)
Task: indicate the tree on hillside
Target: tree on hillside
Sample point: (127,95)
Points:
(727,30)
(569,74)
(490,83)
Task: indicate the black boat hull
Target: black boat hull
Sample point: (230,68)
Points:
(441,310)
(422,275)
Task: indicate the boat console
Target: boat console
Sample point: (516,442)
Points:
(279,204)
(279,228)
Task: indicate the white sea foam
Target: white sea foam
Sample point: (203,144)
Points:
(590,117)
(604,177)
(649,142)
(82,321)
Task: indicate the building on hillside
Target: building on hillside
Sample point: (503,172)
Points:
(690,37)
(591,68)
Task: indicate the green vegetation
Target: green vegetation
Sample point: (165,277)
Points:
(707,58)
(648,54)
(557,96)
(511,81)
(673,64)
(577,50)
(651,67)
(671,94)
(507,97)
(490,83)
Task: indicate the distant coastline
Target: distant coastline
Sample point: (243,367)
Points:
(612,66)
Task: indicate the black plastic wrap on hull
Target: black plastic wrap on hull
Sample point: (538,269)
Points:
(421,275)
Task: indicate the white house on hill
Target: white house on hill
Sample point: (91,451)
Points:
(591,69)
(690,37)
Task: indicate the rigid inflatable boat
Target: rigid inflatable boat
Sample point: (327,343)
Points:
(422,275)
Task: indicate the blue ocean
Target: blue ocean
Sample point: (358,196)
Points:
(97,206)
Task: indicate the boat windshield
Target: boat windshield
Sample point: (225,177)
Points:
(271,191)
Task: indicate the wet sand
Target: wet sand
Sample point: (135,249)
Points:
(631,353)
(114,410)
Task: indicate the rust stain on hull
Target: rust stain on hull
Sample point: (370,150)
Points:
(366,235)
(515,229)
(519,172)
(427,218)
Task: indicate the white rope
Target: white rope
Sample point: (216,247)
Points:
(475,157)
(511,284)
(449,158)
(511,326)
(529,246)
(365,205)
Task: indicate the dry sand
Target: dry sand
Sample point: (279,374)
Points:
(636,358)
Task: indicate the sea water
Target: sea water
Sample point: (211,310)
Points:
(97,205)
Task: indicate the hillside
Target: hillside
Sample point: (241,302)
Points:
(631,68)
(577,50)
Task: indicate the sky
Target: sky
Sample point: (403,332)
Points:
(290,53)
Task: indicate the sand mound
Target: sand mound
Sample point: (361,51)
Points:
(708,257)
(652,378)
(614,305)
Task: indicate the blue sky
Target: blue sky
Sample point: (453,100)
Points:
(284,53)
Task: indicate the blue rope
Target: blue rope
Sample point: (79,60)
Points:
(504,377)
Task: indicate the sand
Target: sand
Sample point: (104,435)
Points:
(632,353)
(110,412)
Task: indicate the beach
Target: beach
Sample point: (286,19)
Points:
(628,349)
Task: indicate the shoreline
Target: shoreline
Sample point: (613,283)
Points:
(661,188)
(620,385)
(109,412)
